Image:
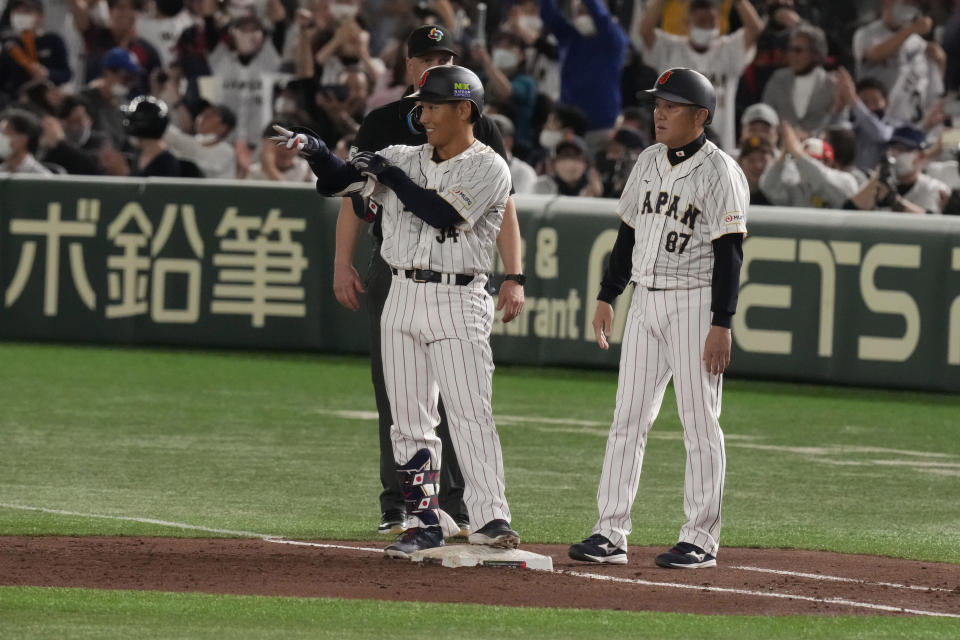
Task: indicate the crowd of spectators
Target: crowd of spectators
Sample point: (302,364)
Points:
(862,113)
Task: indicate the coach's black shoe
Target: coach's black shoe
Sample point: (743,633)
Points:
(392,523)
(416,539)
(597,548)
(496,533)
(686,556)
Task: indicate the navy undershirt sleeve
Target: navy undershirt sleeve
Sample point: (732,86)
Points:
(426,204)
(333,174)
(620,266)
(727,260)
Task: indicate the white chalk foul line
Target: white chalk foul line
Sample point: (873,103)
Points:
(266,537)
(820,576)
(580,574)
(760,594)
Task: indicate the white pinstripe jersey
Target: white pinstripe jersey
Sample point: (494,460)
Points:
(677,211)
(476,183)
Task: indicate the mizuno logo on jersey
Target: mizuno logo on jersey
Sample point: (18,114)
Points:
(689,216)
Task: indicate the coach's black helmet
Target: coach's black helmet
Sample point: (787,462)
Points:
(145,117)
(686,86)
(450,84)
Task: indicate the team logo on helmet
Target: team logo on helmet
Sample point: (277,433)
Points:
(461,89)
(435,34)
(423,78)
(664,77)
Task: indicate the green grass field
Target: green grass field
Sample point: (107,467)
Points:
(247,441)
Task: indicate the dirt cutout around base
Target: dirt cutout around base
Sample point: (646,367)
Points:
(870,586)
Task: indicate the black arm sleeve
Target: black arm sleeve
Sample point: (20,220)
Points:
(617,275)
(334,176)
(426,204)
(727,260)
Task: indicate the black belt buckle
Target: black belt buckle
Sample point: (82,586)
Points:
(425,275)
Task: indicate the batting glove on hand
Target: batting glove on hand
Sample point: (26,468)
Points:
(370,164)
(305,143)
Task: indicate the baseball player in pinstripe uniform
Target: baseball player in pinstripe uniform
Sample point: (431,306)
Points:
(442,204)
(683,218)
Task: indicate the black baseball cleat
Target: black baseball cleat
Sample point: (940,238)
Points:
(392,523)
(686,556)
(597,548)
(416,539)
(496,533)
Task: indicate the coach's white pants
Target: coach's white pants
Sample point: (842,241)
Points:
(436,338)
(664,337)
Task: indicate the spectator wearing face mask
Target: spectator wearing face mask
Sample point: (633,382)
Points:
(62,144)
(120,31)
(104,95)
(32,53)
(347,46)
(523,174)
(864,104)
(802,93)
(507,81)
(207,148)
(563,123)
(615,162)
(592,52)
(244,68)
(805,176)
(571,174)
(542,54)
(19,139)
(893,50)
(77,121)
(756,155)
(721,58)
(916,192)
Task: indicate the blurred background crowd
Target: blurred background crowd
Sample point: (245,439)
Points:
(861,112)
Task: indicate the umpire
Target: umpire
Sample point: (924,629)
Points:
(398,123)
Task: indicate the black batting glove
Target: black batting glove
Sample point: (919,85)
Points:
(370,164)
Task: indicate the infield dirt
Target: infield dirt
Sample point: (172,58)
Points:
(262,567)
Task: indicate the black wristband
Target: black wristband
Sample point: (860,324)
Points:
(519,278)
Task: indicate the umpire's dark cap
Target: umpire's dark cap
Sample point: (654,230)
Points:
(428,39)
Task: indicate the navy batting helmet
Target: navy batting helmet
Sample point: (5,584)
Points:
(145,117)
(686,86)
(450,84)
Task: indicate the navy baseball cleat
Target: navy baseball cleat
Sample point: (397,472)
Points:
(416,539)
(392,523)
(597,548)
(496,533)
(686,556)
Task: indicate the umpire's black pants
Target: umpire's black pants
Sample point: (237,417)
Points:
(451,480)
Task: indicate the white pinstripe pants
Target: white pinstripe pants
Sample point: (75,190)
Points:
(664,337)
(436,338)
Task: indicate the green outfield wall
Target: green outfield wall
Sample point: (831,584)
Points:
(838,297)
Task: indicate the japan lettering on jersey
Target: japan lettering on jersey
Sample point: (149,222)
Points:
(476,183)
(677,211)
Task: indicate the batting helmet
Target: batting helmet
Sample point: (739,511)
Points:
(450,84)
(145,117)
(686,86)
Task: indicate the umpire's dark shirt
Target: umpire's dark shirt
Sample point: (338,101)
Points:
(388,125)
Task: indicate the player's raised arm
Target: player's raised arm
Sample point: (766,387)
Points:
(334,176)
